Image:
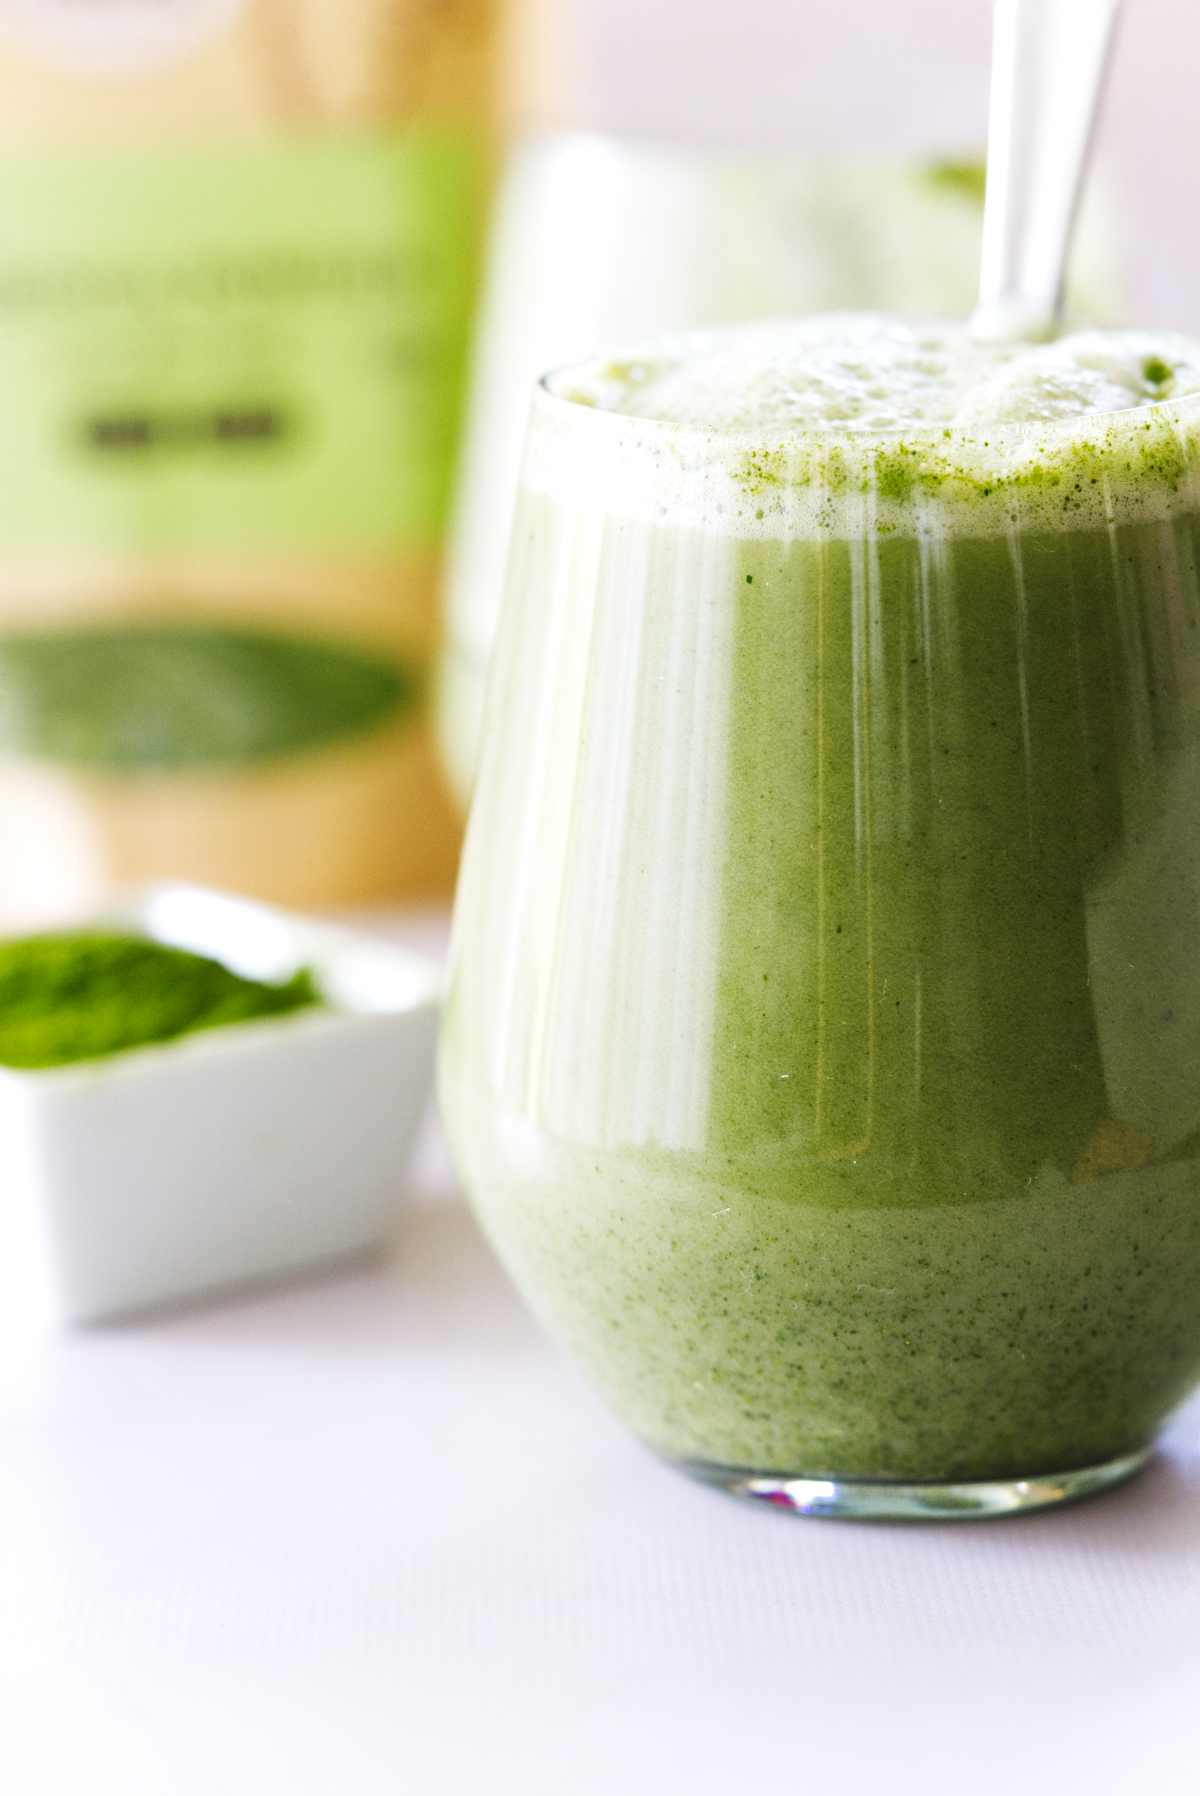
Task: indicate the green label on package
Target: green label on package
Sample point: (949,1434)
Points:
(255,348)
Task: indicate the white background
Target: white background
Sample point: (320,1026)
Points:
(369,1536)
(903,74)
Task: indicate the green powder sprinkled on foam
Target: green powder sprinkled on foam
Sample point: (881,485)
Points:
(81,996)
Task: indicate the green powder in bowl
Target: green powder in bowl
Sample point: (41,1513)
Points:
(79,996)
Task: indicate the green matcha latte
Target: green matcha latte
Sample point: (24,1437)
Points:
(823,1043)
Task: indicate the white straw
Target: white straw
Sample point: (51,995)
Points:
(1049,60)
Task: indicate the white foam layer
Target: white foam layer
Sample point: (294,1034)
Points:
(855,372)
(853,422)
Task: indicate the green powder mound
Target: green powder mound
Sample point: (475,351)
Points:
(175,698)
(81,996)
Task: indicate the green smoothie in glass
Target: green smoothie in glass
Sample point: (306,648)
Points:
(822,1050)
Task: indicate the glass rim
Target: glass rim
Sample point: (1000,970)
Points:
(1092,470)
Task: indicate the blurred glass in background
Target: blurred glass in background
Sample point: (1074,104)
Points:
(238,258)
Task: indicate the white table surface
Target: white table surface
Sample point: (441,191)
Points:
(370,1535)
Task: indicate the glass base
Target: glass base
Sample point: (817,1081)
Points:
(882,1500)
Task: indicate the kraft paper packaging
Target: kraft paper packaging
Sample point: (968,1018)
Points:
(238,254)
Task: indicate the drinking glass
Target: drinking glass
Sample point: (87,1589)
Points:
(822,1045)
(599,239)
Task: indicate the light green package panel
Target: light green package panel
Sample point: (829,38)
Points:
(250,347)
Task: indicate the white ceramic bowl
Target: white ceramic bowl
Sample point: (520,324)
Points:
(236,1152)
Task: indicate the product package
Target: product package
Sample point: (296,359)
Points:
(238,255)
